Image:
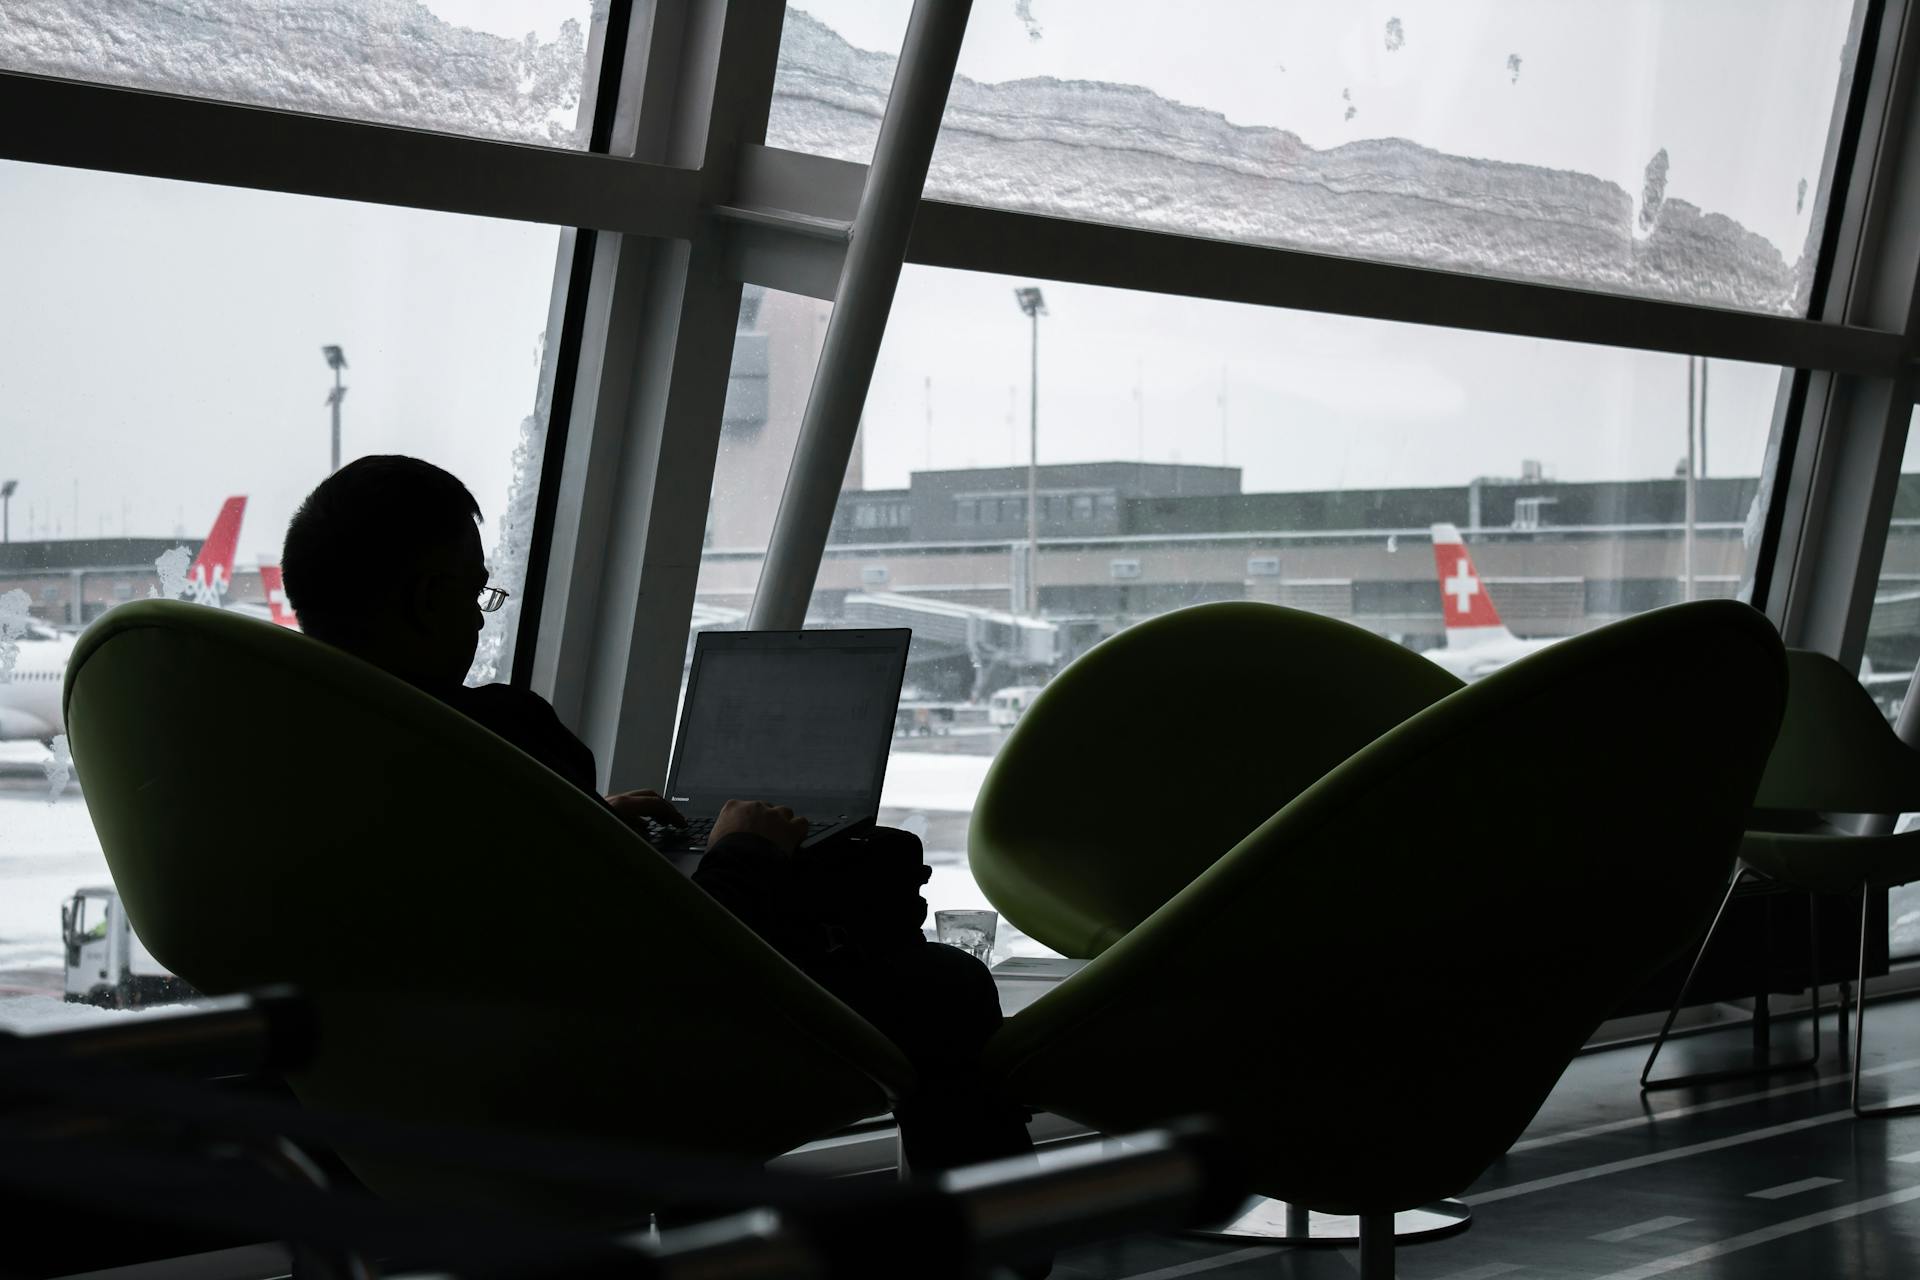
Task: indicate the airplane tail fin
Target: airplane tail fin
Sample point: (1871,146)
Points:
(1469,612)
(212,570)
(277,602)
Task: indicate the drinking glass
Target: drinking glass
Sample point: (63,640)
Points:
(971,931)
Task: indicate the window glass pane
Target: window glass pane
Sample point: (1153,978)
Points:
(1636,146)
(161,354)
(1893,628)
(1893,648)
(507,69)
(1257,454)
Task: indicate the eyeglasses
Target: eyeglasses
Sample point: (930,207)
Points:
(491,598)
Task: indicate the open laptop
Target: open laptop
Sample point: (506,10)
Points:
(800,718)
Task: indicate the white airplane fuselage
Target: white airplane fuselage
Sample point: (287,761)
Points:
(30,696)
(1474,661)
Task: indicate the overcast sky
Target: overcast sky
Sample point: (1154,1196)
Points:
(159,342)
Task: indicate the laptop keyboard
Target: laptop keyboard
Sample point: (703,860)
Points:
(669,838)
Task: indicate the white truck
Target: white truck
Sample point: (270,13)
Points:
(107,964)
(1006,706)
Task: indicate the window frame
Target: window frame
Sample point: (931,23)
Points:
(783,219)
(678,202)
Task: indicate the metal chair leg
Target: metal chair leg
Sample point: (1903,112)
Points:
(1860,1023)
(1648,1084)
(1680,1000)
(1376,1246)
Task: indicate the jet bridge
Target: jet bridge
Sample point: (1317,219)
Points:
(960,650)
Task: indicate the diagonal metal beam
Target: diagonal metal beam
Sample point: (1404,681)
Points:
(862,303)
(163,135)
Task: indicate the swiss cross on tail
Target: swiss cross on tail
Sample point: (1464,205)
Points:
(1470,616)
(212,570)
(277,602)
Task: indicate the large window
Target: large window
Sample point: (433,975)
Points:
(1208,451)
(1892,649)
(506,69)
(1893,626)
(161,344)
(1636,146)
(163,351)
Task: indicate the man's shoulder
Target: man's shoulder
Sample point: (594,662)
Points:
(503,705)
(501,697)
(529,722)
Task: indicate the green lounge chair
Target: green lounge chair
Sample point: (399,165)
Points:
(1836,757)
(483,944)
(1160,748)
(1377,988)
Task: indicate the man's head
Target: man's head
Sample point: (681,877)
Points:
(383,560)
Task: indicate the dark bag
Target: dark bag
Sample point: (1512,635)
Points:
(833,905)
(865,890)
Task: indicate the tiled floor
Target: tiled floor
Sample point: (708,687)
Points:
(1758,1179)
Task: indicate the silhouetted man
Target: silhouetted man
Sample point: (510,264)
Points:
(383,560)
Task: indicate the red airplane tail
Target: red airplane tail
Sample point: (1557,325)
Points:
(212,570)
(1464,603)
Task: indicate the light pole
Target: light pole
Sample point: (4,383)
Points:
(1703,417)
(1034,306)
(6,509)
(1691,496)
(336,360)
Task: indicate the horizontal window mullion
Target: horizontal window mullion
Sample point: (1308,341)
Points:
(160,135)
(972,238)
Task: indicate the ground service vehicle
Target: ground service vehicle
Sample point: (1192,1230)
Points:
(1006,706)
(106,962)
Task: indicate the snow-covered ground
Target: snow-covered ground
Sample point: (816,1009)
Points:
(939,783)
(48,850)
(46,1013)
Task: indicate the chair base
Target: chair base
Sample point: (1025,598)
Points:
(1761,1023)
(1860,1025)
(1277,1222)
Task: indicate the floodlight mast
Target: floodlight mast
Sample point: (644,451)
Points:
(1034,306)
(1689,498)
(336,360)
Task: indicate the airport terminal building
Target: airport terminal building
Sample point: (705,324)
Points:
(1122,541)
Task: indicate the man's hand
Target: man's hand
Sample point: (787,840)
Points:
(772,823)
(635,807)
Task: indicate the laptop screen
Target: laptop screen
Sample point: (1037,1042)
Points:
(790,718)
